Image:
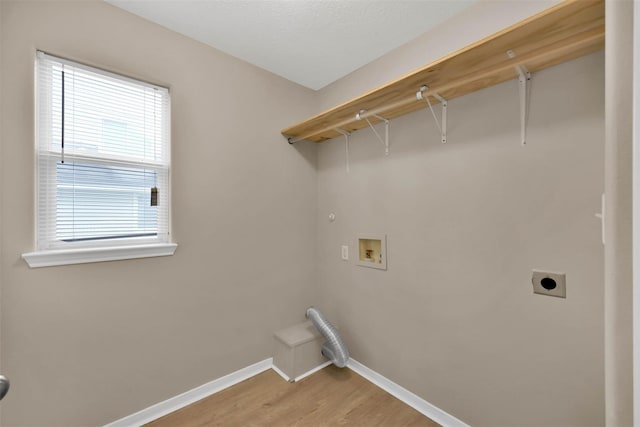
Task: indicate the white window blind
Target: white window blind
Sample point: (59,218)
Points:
(102,157)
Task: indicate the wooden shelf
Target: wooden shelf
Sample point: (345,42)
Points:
(564,32)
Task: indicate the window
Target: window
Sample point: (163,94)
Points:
(102,147)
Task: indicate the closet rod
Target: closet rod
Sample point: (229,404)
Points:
(574,43)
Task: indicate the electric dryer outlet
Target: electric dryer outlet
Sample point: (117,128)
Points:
(551,284)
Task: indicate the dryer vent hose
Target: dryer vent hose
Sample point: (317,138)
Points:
(333,348)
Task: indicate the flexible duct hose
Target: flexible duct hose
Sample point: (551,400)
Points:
(334,348)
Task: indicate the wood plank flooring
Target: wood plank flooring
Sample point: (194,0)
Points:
(330,397)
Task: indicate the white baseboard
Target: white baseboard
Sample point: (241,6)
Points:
(282,374)
(312,371)
(416,402)
(180,401)
(301,376)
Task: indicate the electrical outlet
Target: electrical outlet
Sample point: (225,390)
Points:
(551,284)
(345,253)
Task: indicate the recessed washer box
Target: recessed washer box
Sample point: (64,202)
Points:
(548,283)
(372,251)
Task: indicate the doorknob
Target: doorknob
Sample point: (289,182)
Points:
(4,386)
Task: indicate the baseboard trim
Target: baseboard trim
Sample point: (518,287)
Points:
(187,398)
(312,371)
(416,402)
(301,376)
(180,401)
(282,374)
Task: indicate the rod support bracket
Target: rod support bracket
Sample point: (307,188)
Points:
(443,128)
(362,115)
(524,76)
(346,135)
(419,95)
(443,102)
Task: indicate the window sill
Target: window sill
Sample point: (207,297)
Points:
(85,255)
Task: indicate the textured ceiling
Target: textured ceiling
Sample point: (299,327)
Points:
(310,42)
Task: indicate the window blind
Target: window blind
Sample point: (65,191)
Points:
(102,151)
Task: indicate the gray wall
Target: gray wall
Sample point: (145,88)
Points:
(88,344)
(454,319)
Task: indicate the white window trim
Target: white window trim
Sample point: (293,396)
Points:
(85,255)
(100,251)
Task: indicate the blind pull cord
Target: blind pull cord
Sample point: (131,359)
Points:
(62,133)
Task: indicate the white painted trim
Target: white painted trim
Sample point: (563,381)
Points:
(187,398)
(636,213)
(301,376)
(173,404)
(312,371)
(281,373)
(416,402)
(97,254)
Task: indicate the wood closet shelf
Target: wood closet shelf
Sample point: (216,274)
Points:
(561,33)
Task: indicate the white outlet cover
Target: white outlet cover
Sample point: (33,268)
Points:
(345,252)
(550,284)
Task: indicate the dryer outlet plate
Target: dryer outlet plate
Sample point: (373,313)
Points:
(550,284)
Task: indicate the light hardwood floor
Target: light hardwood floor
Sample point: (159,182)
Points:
(330,397)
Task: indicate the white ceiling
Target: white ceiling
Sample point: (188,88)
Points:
(310,42)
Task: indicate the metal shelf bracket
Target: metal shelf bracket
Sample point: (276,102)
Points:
(346,135)
(442,127)
(362,115)
(524,77)
(523,82)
